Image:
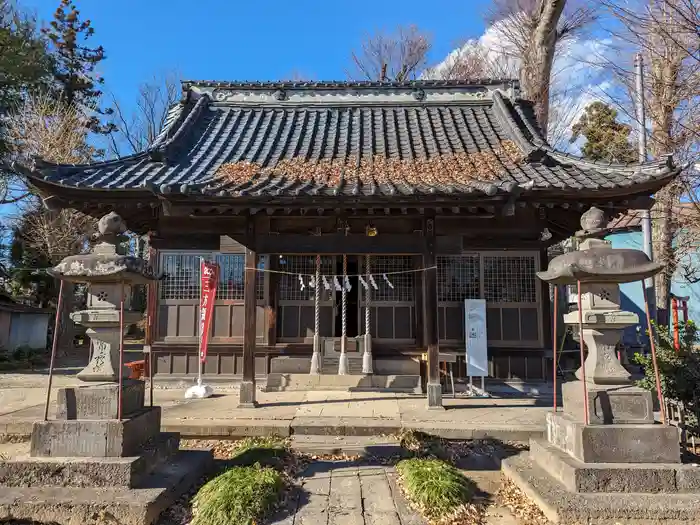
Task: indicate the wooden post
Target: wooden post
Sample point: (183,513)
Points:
(430,320)
(272,292)
(247,392)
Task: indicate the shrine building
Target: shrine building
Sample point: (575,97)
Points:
(433,191)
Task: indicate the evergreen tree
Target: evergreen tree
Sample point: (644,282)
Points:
(606,138)
(76,62)
(25,67)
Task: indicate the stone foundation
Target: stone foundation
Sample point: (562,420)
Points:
(95,438)
(613,443)
(100,401)
(609,405)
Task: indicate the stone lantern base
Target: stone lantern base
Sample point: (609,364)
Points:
(621,468)
(87,463)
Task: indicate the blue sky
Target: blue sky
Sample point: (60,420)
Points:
(267,40)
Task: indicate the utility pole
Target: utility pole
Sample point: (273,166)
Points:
(644,214)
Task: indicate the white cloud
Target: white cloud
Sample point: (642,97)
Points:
(578,75)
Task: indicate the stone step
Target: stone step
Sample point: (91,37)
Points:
(330,366)
(646,478)
(366,446)
(277,382)
(89,472)
(127,506)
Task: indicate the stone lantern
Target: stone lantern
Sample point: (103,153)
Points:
(576,469)
(88,458)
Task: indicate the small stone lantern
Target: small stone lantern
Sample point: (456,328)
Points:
(108,275)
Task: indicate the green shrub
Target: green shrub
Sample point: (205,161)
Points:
(679,371)
(239,496)
(421,444)
(434,487)
(265,451)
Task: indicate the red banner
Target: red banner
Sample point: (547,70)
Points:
(210,278)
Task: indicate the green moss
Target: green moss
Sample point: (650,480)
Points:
(239,496)
(433,486)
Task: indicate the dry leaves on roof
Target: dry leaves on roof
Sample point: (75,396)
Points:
(459,168)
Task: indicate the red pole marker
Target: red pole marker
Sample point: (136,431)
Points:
(586,415)
(652,344)
(54,345)
(121,353)
(554,344)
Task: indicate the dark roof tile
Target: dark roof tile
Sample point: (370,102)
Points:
(362,139)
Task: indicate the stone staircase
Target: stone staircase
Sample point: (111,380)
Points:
(330,365)
(277,382)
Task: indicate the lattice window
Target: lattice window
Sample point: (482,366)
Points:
(183,276)
(182,279)
(231,276)
(289,286)
(458,278)
(510,279)
(403,289)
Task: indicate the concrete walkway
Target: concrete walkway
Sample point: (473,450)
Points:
(337,413)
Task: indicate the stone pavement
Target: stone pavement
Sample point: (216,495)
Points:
(345,413)
(342,493)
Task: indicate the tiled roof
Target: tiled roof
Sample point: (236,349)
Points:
(277,140)
(632,220)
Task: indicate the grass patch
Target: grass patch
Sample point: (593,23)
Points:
(435,488)
(423,445)
(240,496)
(264,451)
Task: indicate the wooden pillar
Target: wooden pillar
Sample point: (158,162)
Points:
(430,320)
(247,392)
(271,304)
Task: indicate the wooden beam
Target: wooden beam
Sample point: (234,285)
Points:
(338,243)
(247,389)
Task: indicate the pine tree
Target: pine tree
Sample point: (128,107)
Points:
(606,138)
(25,64)
(75,63)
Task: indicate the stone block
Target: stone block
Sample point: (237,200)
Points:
(100,401)
(688,478)
(613,443)
(562,506)
(96,438)
(577,476)
(608,404)
(92,505)
(88,472)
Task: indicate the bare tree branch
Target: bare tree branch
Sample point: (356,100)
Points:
(398,56)
(137,130)
(531,31)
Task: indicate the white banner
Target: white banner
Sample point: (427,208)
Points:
(475,337)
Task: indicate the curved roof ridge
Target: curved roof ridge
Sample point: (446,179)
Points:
(666,162)
(536,142)
(180,127)
(342,84)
